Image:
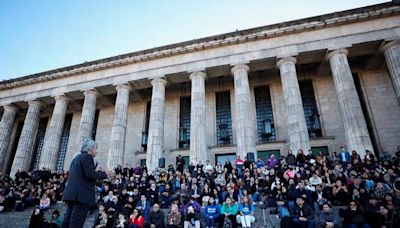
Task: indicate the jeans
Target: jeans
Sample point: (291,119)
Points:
(210,222)
(245,220)
(310,223)
(188,224)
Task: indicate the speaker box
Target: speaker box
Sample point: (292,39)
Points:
(250,157)
(161,163)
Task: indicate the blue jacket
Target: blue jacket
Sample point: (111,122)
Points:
(146,211)
(212,211)
(82,179)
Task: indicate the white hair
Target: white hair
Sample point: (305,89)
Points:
(88,144)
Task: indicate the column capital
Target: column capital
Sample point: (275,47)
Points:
(36,103)
(239,67)
(91,91)
(389,45)
(286,59)
(158,80)
(335,52)
(197,74)
(10,107)
(123,86)
(62,97)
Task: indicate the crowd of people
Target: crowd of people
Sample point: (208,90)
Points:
(338,189)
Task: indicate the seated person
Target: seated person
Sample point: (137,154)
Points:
(327,217)
(229,211)
(174,217)
(354,216)
(302,215)
(144,207)
(246,213)
(136,220)
(56,219)
(156,218)
(44,202)
(192,219)
(211,213)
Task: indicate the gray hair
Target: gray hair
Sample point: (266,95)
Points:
(88,144)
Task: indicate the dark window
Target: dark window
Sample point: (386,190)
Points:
(224,119)
(96,120)
(265,154)
(184,122)
(39,143)
(315,150)
(310,108)
(14,146)
(146,127)
(63,143)
(142,162)
(265,118)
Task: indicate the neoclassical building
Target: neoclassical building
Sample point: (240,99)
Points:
(314,84)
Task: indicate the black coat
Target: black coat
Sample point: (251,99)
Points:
(82,179)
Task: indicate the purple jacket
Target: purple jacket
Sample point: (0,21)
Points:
(271,163)
(196,206)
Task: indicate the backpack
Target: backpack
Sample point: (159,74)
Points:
(227,223)
(283,212)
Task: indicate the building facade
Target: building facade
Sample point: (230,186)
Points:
(313,84)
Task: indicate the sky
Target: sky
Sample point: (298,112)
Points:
(41,35)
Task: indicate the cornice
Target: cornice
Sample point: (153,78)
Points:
(264,32)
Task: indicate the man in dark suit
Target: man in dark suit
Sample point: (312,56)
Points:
(79,193)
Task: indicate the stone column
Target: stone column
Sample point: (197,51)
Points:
(296,122)
(245,113)
(392,56)
(87,118)
(23,155)
(198,145)
(156,126)
(117,143)
(355,127)
(48,158)
(6,125)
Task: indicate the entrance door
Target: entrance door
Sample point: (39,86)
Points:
(222,158)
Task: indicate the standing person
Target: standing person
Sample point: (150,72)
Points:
(79,193)
(344,157)
(239,164)
(180,163)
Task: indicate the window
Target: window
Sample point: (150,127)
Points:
(310,108)
(146,127)
(63,143)
(265,118)
(39,143)
(224,119)
(265,154)
(184,122)
(316,150)
(96,120)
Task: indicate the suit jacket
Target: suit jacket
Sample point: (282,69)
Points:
(146,211)
(82,178)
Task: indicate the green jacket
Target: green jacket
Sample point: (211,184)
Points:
(230,210)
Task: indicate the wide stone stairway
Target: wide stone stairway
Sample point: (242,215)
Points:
(21,219)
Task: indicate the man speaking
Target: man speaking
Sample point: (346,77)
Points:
(79,193)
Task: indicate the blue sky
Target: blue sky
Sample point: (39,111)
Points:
(39,35)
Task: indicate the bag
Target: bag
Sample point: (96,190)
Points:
(227,223)
(283,212)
